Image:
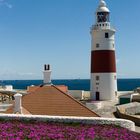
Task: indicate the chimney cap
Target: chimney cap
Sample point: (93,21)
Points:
(46,67)
(18,95)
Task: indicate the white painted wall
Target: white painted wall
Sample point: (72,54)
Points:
(98,37)
(79,94)
(7,87)
(86,95)
(106,86)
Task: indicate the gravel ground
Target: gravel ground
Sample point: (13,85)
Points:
(106,111)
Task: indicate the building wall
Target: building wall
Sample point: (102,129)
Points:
(106,85)
(98,36)
(79,94)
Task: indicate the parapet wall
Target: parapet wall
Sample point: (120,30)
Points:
(79,94)
(86,120)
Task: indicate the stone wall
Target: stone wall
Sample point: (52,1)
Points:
(133,118)
(86,120)
(133,110)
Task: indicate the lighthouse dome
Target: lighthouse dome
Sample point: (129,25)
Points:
(102,7)
(102,3)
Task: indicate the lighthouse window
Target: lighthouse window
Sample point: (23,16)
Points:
(103,17)
(97,83)
(97,45)
(106,35)
(97,78)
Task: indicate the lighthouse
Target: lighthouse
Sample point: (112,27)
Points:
(103,85)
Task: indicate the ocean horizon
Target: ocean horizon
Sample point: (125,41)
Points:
(73,84)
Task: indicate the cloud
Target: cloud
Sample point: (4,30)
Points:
(5,3)
(9,5)
(13,75)
(26,74)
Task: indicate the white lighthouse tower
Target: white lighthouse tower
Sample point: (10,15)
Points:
(103,62)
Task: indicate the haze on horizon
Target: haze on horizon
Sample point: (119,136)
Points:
(35,32)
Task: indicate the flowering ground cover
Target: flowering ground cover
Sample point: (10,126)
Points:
(35,130)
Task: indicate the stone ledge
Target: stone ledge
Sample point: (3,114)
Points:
(134,118)
(66,119)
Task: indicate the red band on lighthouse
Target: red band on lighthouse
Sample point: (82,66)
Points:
(103,61)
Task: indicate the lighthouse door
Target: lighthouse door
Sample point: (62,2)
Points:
(97,96)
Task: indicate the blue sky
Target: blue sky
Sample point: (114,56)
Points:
(35,32)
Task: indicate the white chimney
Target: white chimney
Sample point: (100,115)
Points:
(47,74)
(18,106)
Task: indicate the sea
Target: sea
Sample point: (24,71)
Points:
(73,84)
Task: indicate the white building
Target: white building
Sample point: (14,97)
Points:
(103,61)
